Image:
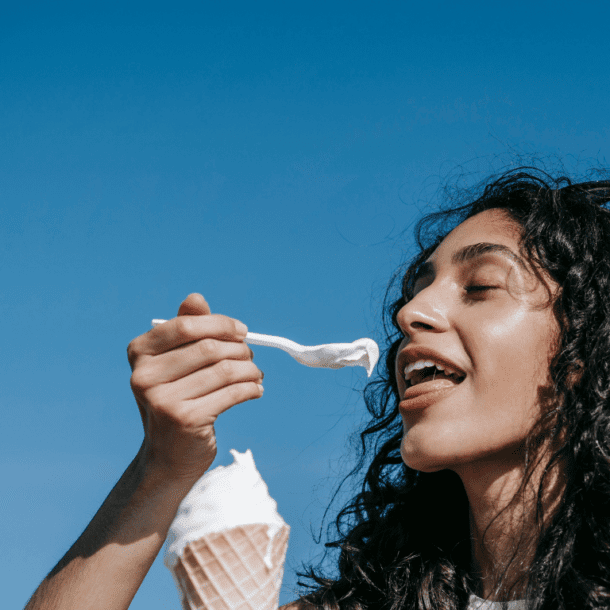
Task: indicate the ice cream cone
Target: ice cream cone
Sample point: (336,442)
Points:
(230,570)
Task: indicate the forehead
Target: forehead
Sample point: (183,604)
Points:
(493,226)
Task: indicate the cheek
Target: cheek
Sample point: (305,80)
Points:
(515,367)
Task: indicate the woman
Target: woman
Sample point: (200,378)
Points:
(490,431)
(493,479)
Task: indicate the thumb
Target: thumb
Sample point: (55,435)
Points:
(194,305)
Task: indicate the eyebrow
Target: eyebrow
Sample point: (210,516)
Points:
(468,253)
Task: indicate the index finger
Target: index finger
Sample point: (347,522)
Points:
(194,305)
(187,329)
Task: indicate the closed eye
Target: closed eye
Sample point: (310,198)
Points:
(470,289)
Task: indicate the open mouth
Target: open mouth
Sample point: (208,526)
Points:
(432,373)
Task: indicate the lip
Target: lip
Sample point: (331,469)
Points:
(425,394)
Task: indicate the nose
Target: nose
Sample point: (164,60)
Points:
(426,311)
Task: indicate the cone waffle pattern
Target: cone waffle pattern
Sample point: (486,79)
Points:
(226,571)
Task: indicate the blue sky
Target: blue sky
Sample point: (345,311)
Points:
(270,156)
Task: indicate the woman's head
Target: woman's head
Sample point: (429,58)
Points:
(542,327)
(480,309)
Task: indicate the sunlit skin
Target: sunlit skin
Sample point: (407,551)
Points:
(489,315)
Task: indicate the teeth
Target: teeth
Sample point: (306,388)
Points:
(422,364)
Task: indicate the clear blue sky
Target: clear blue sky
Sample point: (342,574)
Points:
(268,155)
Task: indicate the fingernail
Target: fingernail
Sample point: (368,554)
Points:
(260,387)
(262,374)
(241,328)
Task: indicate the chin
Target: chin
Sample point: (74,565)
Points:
(430,450)
(422,461)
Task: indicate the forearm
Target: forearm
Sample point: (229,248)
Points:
(106,565)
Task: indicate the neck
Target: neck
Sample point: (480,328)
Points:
(503,526)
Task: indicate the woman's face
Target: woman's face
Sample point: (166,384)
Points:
(480,310)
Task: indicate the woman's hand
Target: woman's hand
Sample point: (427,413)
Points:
(185,373)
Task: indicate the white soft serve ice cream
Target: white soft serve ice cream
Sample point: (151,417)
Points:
(224,498)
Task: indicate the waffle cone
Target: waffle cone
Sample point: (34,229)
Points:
(227,571)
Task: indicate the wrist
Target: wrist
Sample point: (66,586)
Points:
(153,476)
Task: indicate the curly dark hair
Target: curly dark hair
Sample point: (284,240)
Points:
(403,540)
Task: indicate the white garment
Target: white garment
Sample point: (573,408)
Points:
(476,603)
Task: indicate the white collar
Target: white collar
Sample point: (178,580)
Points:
(476,603)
